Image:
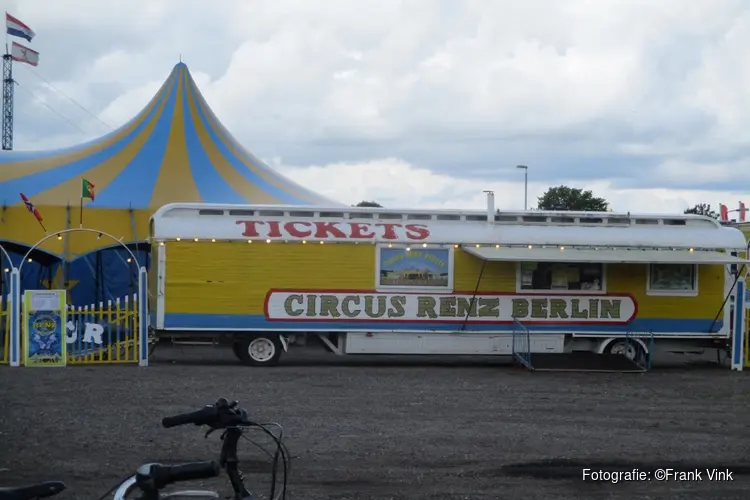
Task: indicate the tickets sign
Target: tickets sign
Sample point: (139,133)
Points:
(319,230)
(319,305)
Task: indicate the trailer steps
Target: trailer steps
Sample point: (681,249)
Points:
(579,361)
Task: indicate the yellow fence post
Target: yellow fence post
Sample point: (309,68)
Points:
(126,321)
(104,333)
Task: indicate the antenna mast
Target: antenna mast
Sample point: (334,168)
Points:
(7,101)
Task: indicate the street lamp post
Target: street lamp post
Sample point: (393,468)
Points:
(525,185)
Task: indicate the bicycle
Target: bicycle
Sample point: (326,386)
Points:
(222,415)
(152,478)
(33,491)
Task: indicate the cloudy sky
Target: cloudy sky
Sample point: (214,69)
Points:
(423,103)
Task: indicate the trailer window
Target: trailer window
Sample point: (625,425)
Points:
(506,218)
(390,216)
(419,217)
(561,277)
(672,279)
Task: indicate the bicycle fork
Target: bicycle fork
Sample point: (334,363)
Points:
(230,462)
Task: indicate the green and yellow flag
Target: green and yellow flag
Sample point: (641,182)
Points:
(87,190)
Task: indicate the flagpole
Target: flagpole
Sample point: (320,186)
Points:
(80,220)
(7,102)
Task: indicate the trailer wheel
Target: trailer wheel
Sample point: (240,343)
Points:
(631,349)
(259,350)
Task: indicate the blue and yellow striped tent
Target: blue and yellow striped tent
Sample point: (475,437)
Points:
(174,150)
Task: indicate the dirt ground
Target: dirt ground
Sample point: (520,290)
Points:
(387,428)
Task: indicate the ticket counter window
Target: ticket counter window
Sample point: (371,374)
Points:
(672,279)
(561,277)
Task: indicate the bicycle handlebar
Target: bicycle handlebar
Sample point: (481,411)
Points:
(221,415)
(154,477)
(31,492)
(205,416)
(218,415)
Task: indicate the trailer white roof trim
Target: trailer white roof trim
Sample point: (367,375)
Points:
(628,237)
(605,256)
(344,225)
(539,217)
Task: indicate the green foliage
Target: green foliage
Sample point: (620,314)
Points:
(702,209)
(571,199)
(368,204)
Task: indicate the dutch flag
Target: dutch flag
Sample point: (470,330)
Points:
(14,27)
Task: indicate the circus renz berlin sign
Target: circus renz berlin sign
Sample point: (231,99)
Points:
(321,305)
(352,231)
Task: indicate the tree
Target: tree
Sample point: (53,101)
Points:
(574,199)
(368,204)
(702,209)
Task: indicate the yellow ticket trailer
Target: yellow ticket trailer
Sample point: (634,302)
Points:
(384,281)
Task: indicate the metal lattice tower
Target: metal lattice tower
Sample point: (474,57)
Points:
(7,102)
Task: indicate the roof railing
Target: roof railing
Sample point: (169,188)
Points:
(536,218)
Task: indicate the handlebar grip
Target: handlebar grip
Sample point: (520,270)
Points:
(41,490)
(192,471)
(200,417)
(49,489)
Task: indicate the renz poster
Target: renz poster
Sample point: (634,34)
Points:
(44,318)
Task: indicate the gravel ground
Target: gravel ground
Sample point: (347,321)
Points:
(387,428)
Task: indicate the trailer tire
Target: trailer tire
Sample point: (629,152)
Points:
(259,350)
(631,349)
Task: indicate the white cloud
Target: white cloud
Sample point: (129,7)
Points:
(586,92)
(396,183)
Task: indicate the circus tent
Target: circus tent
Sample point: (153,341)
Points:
(174,150)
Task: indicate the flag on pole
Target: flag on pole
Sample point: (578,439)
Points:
(87,193)
(87,190)
(23,54)
(14,27)
(742,212)
(723,212)
(31,208)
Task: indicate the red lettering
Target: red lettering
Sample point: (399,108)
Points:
(323,229)
(357,230)
(275,231)
(291,228)
(417,231)
(360,230)
(251,227)
(390,231)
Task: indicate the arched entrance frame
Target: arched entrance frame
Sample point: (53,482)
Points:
(15,339)
(14,310)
